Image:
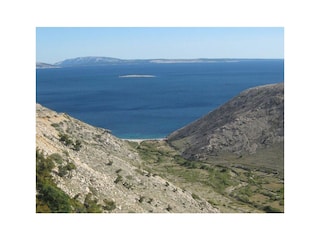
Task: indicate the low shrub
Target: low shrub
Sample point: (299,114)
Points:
(77,145)
(109,205)
(55,125)
(65,139)
(195,196)
(64,170)
(118,179)
(91,204)
(57,158)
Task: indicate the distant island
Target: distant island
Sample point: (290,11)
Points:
(137,76)
(46,65)
(103,61)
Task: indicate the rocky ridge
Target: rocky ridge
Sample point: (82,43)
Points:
(251,121)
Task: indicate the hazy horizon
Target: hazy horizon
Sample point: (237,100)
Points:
(54,44)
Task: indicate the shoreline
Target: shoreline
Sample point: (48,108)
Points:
(139,140)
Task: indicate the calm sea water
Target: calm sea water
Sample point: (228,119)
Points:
(149,107)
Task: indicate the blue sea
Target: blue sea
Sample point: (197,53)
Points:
(149,107)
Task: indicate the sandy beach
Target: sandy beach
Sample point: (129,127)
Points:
(146,139)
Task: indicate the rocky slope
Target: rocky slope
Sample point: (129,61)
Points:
(248,123)
(106,167)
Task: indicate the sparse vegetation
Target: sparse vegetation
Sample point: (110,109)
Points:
(67,141)
(91,204)
(49,197)
(202,177)
(65,169)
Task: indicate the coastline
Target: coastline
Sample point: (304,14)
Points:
(143,139)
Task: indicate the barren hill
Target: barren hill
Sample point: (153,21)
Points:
(89,161)
(250,123)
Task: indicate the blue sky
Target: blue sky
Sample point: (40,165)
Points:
(55,44)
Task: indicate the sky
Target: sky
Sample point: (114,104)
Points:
(55,44)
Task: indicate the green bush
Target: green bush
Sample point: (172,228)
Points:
(70,166)
(56,199)
(65,139)
(91,204)
(56,157)
(62,171)
(77,145)
(55,125)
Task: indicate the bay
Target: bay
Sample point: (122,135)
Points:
(152,100)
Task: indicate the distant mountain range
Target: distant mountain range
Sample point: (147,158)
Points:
(101,61)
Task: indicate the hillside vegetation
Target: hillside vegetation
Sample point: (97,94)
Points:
(228,188)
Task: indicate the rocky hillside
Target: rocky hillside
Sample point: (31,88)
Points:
(248,123)
(89,161)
